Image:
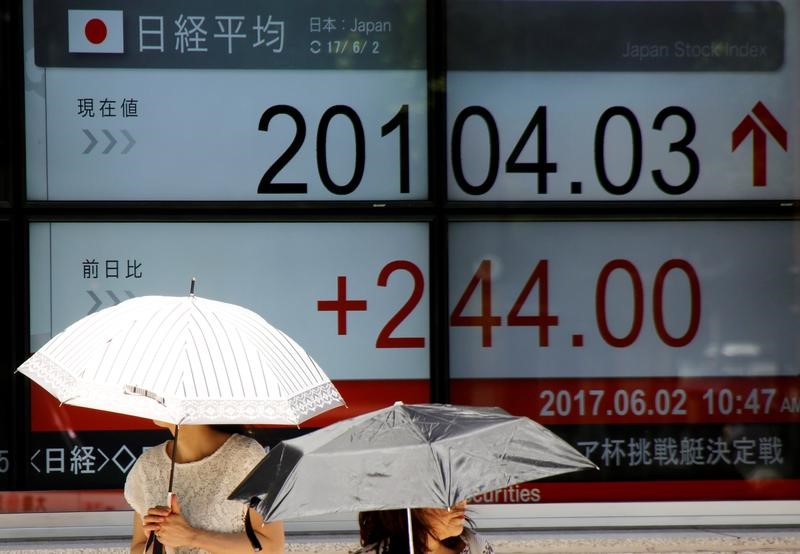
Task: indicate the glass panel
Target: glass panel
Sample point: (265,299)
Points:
(622,101)
(8,113)
(664,351)
(354,295)
(227,101)
(7,403)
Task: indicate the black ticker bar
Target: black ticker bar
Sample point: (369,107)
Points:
(684,452)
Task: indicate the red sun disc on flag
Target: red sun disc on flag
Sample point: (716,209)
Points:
(96,31)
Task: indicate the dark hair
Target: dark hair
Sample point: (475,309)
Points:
(392,526)
(245,430)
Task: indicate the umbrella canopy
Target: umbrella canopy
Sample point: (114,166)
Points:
(404,456)
(183,360)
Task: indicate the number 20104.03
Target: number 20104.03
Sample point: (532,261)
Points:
(542,167)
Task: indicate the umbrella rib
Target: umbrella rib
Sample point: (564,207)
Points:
(495,456)
(248,360)
(208,344)
(309,361)
(97,366)
(218,344)
(158,333)
(442,476)
(281,367)
(243,326)
(233,356)
(280,362)
(170,341)
(191,374)
(93,327)
(62,341)
(170,365)
(117,355)
(276,340)
(287,377)
(263,374)
(305,356)
(297,356)
(208,350)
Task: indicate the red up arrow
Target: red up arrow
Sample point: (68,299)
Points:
(748,125)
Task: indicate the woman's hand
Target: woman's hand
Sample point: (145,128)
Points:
(172,530)
(170,526)
(153,519)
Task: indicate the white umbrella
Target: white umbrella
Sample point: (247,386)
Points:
(183,360)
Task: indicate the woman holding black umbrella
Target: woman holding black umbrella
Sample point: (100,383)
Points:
(433,531)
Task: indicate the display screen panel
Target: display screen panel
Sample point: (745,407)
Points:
(354,295)
(666,351)
(6,363)
(7,109)
(602,100)
(226,100)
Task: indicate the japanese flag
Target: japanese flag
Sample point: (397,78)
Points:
(95,31)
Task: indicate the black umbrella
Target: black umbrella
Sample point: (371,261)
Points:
(404,456)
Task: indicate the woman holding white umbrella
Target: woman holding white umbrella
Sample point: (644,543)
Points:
(191,362)
(209,463)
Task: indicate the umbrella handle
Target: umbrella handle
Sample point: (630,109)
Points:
(158,548)
(251,535)
(410,535)
(172,465)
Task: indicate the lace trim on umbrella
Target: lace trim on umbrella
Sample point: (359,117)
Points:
(294,410)
(305,405)
(51,376)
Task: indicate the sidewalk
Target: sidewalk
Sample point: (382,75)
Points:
(571,541)
(783,540)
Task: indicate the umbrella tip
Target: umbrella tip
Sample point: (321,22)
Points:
(191,287)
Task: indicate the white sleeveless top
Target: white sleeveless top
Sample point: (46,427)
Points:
(202,486)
